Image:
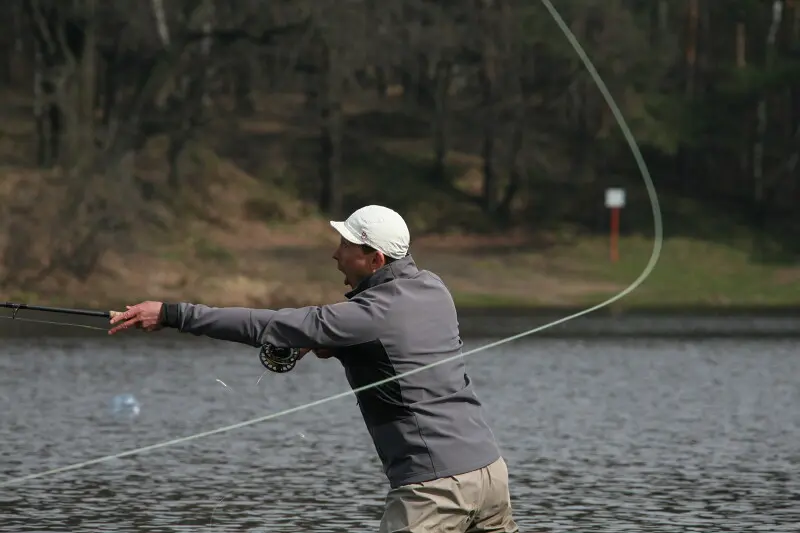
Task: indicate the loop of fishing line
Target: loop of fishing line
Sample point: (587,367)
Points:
(654,257)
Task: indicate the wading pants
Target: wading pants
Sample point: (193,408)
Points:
(477,501)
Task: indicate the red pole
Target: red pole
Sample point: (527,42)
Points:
(614,234)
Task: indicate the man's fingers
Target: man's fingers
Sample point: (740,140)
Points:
(129,319)
(127,315)
(117,329)
(124,325)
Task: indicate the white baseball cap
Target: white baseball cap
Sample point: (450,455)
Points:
(378,227)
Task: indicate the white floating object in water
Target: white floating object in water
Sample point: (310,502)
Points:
(125,404)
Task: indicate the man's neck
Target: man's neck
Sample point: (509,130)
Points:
(385,273)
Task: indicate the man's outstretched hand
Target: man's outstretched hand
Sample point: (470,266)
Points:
(143,316)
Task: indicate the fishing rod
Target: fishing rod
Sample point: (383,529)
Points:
(16,307)
(276,359)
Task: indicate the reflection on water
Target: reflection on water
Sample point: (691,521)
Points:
(625,435)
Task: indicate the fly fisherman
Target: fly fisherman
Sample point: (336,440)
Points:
(443,464)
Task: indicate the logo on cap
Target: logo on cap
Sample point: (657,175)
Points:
(364,235)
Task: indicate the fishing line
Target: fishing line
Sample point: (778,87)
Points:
(53,323)
(654,257)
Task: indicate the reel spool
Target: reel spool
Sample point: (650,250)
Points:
(278,360)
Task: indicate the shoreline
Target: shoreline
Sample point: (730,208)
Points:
(640,321)
(620,309)
(488,322)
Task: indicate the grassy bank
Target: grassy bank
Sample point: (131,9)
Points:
(689,274)
(230,256)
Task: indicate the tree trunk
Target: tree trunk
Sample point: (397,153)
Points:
(691,47)
(87,87)
(208,71)
(44,112)
(685,152)
(663,16)
(243,96)
(760,209)
(330,138)
(516,169)
(741,62)
(443,78)
(161,22)
(488,82)
(741,44)
(381,82)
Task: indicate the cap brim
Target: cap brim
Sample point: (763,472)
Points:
(346,233)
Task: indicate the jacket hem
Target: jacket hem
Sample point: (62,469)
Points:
(431,475)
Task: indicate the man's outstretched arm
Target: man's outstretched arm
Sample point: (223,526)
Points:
(236,324)
(334,325)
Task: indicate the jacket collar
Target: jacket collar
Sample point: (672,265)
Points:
(402,268)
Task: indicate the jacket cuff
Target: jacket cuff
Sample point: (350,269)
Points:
(169,315)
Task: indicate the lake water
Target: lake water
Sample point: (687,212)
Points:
(599,435)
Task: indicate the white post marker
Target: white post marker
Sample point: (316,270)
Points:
(615,200)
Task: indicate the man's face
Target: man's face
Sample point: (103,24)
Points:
(356,264)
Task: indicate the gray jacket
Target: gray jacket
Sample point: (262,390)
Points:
(424,426)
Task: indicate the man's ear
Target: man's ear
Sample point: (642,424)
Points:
(378,260)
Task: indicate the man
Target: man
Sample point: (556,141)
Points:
(444,467)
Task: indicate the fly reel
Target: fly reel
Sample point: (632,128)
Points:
(278,360)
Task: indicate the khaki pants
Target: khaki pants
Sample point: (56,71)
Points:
(477,501)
